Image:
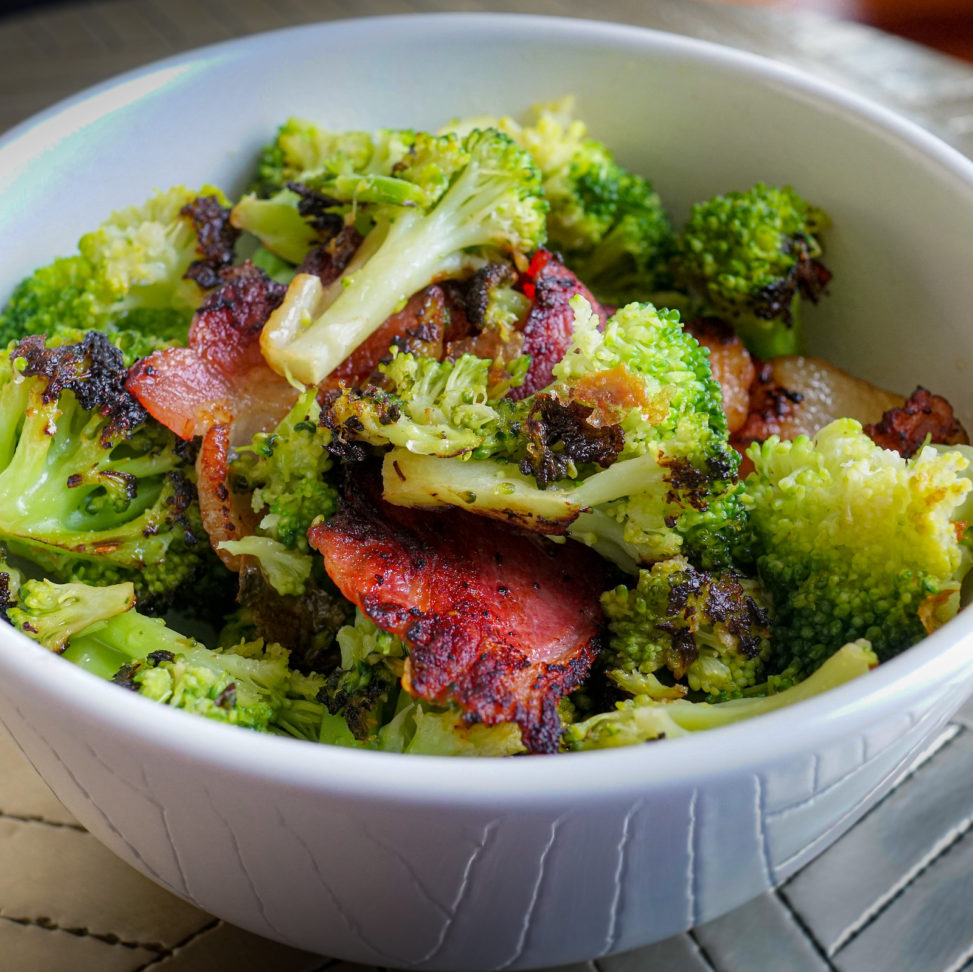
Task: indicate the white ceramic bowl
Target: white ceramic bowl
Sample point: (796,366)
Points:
(452,863)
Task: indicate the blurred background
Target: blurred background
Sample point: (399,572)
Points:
(946,25)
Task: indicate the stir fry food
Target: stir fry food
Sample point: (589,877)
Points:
(452,443)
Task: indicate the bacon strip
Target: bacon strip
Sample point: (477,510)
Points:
(418,328)
(550,321)
(501,623)
(221,376)
(226,516)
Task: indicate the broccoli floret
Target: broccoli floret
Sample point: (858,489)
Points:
(248,684)
(302,147)
(629,439)
(91,488)
(448,202)
(712,629)
(289,215)
(363,689)
(644,718)
(54,613)
(287,570)
(287,473)
(753,259)
(608,223)
(853,541)
(429,407)
(137,278)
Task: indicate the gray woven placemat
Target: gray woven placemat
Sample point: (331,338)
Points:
(894,894)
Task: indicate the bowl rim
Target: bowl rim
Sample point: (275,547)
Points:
(746,746)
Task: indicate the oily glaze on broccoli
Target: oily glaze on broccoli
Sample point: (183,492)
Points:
(449,200)
(91,488)
(752,257)
(853,541)
(137,278)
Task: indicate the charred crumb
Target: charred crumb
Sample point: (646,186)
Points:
(156,658)
(125,676)
(227,698)
(215,238)
(317,209)
(483,283)
(559,434)
(328,260)
(687,484)
(7,599)
(808,277)
(92,370)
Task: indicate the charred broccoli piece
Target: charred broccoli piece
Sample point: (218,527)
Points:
(91,488)
(137,278)
(711,629)
(448,203)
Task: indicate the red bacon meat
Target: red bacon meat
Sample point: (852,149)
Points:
(500,623)
(550,321)
(221,376)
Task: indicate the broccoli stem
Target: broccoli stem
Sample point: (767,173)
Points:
(854,659)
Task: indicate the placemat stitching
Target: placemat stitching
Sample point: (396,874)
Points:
(871,917)
(703,953)
(819,949)
(168,952)
(106,937)
(41,820)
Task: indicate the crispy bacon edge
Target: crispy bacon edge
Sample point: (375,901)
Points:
(434,580)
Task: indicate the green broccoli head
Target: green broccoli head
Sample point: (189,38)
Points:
(853,541)
(711,629)
(250,684)
(288,207)
(137,278)
(363,689)
(91,488)
(301,147)
(753,258)
(448,204)
(430,407)
(52,613)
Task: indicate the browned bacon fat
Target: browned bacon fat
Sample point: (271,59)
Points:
(221,376)
(731,364)
(226,516)
(500,623)
(550,321)
(905,429)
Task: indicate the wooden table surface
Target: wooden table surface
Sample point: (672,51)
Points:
(894,894)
